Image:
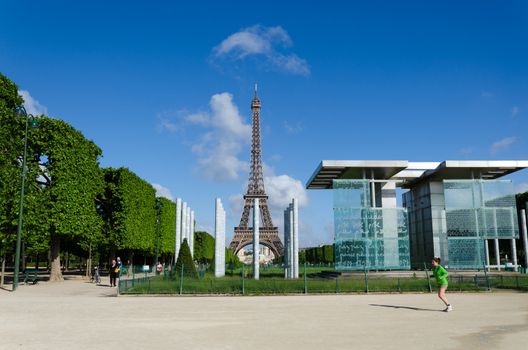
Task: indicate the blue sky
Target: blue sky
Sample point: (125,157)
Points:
(164,89)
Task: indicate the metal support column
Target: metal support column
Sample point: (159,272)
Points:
(524,236)
(497,253)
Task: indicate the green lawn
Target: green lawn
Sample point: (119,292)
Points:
(269,284)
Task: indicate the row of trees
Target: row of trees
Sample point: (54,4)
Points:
(318,255)
(73,203)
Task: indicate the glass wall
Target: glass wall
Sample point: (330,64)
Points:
(477,210)
(366,237)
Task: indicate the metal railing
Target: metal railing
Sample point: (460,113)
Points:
(174,283)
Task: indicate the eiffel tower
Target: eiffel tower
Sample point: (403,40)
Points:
(268,234)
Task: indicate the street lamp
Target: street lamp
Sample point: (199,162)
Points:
(21,111)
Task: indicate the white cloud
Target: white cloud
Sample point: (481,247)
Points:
(218,148)
(515,111)
(281,189)
(31,105)
(167,122)
(163,192)
(266,43)
(503,145)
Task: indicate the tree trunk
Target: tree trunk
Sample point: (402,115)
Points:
(37,261)
(3,271)
(131,263)
(89,262)
(67,262)
(55,273)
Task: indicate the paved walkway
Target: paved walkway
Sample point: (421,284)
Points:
(80,315)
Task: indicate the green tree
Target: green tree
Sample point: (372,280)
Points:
(232,259)
(128,209)
(67,181)
(11,148)
(204,246)
(167,226)
(185,259)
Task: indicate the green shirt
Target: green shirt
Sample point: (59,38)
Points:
(440,274)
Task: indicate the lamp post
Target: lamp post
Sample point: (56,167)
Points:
(21,111)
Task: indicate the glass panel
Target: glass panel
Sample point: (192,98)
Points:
(466,253)
(477,210)
(367,238)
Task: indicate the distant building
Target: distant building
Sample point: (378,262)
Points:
(452,210)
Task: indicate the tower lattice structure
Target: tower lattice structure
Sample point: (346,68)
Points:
(268,234)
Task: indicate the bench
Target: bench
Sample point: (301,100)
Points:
(31,275)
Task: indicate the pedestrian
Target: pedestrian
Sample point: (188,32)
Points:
(159,268)
(114,270)
(441,278)
(119,264)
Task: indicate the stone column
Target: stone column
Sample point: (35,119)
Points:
(191,232)
(256,243)
(290,256)
(178,238)
(497,253)
(524,236)
(188,225)
(514,253)
(295,238)
(287,242)
(184,222)
(219,239)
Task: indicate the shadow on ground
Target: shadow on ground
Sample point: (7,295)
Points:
(406,307)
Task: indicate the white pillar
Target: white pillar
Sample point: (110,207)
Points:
(287,242)
(524,236)
(256,243)
(178,238)
(295,238)
(184,222)
(191,232)
(497,253)
(514,253)
(290,256)
(188,226)
(486,247)
(219,239)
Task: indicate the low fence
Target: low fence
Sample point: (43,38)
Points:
(177,284)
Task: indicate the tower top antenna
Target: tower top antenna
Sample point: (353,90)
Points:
(255,89)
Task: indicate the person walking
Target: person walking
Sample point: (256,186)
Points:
(441,278)
(114,270)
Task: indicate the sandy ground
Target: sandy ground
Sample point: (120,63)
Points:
(79,315)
